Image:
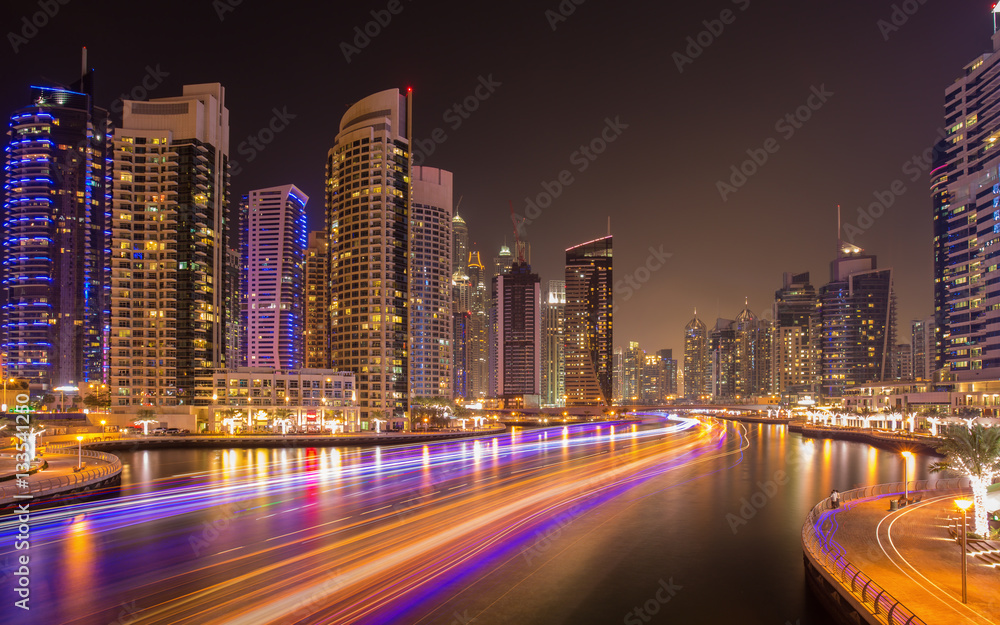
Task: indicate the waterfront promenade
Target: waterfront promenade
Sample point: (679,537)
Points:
(907,558)
(61,475)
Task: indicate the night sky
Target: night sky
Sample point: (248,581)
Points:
(557,90)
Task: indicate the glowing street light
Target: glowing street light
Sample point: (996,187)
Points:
(284,423)
(79,453)
(964,504)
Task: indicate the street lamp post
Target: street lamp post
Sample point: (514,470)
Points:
(79,453)
(964,504)
(906,459)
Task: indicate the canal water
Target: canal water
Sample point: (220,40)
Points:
(713,540)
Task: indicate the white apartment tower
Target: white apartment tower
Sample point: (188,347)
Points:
(430,283)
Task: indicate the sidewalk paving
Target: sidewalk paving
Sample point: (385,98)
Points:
(60,465)
(911,554)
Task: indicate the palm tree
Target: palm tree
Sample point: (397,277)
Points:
(974,453)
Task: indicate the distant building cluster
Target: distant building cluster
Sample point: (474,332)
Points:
(129,269)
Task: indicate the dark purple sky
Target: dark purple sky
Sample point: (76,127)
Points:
(607,60)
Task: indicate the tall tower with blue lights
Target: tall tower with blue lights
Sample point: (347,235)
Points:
(56,216)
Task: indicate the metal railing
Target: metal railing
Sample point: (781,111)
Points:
(110,466)
(830,555)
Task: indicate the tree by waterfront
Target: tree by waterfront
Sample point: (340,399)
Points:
(974,453)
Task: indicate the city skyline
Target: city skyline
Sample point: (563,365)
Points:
(787,187)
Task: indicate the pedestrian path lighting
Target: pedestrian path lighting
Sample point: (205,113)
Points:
(30,437)
(964,504)
(378,425)
(284,423)
(145,425)
(906,461)
(79,453)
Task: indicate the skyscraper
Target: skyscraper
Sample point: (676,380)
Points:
(276,248)
(653,383)
(923,348)
(367,217)
(56,243)
(965,192)
(723,369)
(317,301)
(590,323)
(460,354)
(517,349)
(459,244)
(696,363)
(635,357)
(431,283)
(478,332)
(795,353)
(170,225)
(858,316)
(618,376)
(553,340)
(753,355)
(670,387)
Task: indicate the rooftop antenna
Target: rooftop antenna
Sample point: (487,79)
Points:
(609,225)
(83,63)
(459,203)
(996,9)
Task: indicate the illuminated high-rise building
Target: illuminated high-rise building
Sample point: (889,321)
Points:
(275,265)
(697,372)
(858,317)
(553,340)
(635,358)
(923,348)
(317,301)
(459,244)
(795,353)
(478,332)
(589,345)
(516,353)
(56,221)
(965,193)
(368,220)
(430,349)
(171,222)
(669,372)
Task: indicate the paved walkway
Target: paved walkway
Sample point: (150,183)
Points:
(57,477)
(912,555)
